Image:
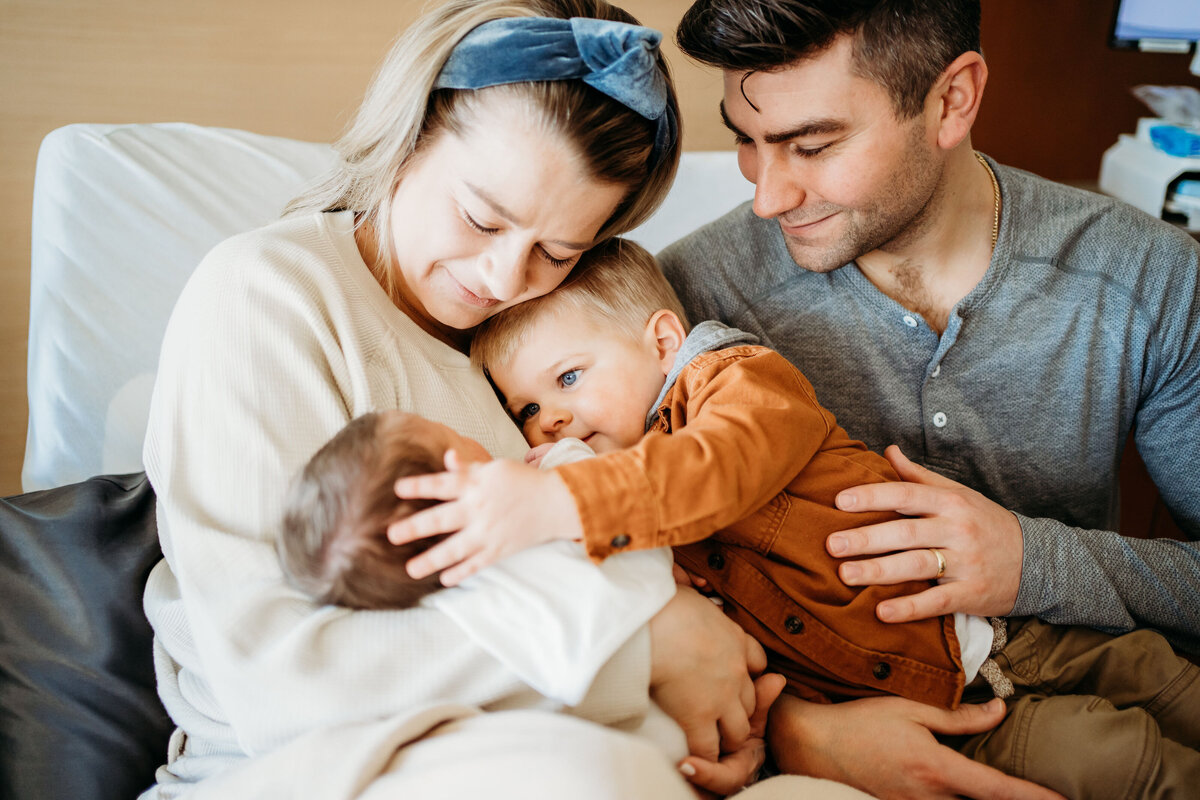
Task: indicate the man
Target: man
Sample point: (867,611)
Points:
(1003,330)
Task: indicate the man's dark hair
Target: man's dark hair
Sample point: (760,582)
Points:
(903,45)
(334,546)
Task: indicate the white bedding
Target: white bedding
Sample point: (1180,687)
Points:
(121,216)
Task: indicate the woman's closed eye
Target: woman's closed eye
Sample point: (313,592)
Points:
(561,263)
(475,226)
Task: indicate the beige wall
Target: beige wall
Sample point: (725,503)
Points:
(293,68)
(1057,96)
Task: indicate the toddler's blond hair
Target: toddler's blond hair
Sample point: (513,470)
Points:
(617,284)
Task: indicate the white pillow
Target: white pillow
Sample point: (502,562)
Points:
(121,216)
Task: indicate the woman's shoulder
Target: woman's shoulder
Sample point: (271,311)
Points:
(297,243)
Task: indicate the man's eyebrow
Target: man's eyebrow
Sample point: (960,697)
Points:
(509,216)
(812,127)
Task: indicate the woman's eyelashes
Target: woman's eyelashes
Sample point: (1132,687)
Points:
(475,226)
(561,263)
(483,230)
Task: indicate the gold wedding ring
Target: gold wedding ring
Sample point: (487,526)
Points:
(941,570)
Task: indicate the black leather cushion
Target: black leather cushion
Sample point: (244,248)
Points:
(79,714)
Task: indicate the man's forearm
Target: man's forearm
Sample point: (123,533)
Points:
(1075,576)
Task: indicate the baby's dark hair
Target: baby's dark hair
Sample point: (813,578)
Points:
(334,546)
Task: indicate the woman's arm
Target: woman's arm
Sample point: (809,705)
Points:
(255,375)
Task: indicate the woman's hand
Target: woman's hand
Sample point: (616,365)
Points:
(738,768)
(885,747)
(980,542)
(493,510)
(701,665)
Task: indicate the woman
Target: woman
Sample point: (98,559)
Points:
(448,205)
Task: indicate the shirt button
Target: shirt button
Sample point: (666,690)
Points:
(620,541)
(793,624)
(716,561)
(939,420)
(910,320)
(936,371)
(882,670)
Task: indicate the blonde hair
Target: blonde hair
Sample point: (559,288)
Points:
(401,114)
(617,283)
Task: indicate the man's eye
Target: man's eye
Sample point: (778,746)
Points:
(569,378)
(528,412)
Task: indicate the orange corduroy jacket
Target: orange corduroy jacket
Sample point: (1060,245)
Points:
(738,473)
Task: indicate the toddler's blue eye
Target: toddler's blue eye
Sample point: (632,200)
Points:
(569,378)
(528,412)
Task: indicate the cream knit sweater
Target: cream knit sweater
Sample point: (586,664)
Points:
(281,337)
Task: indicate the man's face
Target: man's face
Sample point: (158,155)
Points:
(830,160)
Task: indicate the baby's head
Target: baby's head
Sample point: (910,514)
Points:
(590,358)
(334,544)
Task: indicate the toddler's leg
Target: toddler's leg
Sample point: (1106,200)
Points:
(1132,670)
(1083,746)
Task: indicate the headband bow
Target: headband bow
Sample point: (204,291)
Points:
(615,58)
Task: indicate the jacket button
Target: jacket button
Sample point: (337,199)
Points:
(620,541)
(882,670)
(716,561)
(793,624)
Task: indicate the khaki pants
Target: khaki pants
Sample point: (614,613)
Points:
(1094,715)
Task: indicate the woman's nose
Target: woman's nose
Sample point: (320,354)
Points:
(504,271)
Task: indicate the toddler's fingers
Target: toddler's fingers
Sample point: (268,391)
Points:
(442,556)
(444,518)
(435,486)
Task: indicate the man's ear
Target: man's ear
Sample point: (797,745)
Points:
(955,97)
(664,332)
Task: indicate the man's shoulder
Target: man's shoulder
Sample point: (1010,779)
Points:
(1067,220)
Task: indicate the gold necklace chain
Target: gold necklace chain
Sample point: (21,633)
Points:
(995,199)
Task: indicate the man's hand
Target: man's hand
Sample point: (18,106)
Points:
(738,768)
(980,541)
(493,510)
(885,747)
(701,668)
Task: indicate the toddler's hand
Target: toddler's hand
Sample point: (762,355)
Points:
(493,510)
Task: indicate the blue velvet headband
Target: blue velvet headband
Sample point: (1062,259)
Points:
(613,57)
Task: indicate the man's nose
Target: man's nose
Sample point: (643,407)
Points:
(777,189)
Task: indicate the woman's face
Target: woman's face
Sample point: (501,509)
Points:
(491,217)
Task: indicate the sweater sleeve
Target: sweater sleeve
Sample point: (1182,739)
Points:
(752,423)
(252,380)
(1117,583)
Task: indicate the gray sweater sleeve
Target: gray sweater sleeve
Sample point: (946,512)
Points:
(1073,576)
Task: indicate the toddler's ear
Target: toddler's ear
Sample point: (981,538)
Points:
(665,333)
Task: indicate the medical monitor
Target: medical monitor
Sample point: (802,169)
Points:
(1163,26)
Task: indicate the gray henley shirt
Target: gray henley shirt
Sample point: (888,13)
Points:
(1085,327)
